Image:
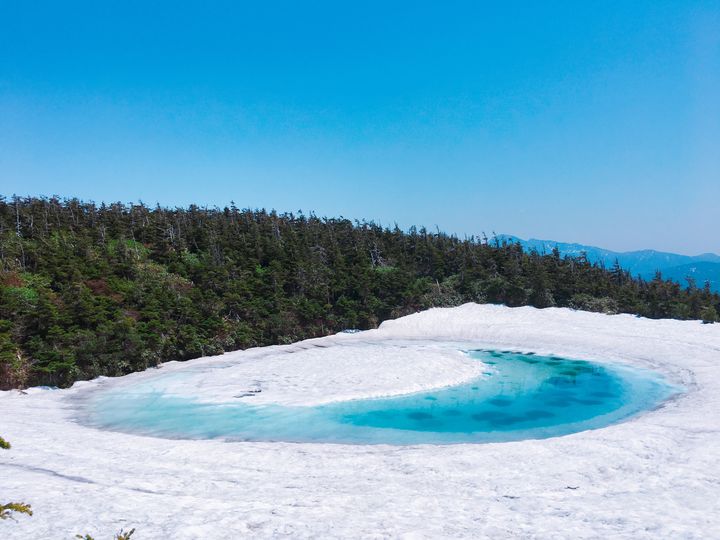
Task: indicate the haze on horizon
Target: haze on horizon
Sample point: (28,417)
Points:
(578,123)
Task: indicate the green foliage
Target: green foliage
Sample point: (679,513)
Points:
(122,535)
(586,302)
(88,290)
(709,315)
(7,510)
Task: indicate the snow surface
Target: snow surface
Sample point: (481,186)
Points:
(655,476)
(313,372)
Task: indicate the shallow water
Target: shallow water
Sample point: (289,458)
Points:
(520,396)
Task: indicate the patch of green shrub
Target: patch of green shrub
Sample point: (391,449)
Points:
(6,510)
(709,315)
(122,535)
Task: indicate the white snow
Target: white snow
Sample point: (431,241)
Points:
(313,372)
(656,476)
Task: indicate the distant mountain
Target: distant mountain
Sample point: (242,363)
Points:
(644,263)
(700,271)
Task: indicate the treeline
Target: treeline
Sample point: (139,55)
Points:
(88,290)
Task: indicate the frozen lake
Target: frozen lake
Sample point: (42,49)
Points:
(651,475)
(517,396)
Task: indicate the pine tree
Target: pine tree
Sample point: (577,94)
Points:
(88,290)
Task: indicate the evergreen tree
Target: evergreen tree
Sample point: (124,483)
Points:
(88,290)
(709,315)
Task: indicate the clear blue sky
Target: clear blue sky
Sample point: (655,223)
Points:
(594,122)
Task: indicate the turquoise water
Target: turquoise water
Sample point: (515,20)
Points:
(520,396)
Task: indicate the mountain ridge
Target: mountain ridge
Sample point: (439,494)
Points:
(642,263)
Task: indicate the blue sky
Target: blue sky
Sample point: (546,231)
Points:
(592,122)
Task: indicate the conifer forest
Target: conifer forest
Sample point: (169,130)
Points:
(106,289)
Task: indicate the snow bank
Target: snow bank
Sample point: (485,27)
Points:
(312,373)
(655,476)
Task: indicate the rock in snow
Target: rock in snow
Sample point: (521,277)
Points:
(655,476)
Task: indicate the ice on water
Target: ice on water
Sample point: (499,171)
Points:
(517,396)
